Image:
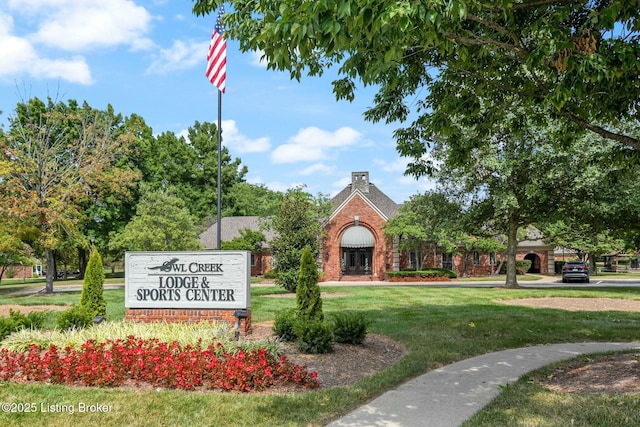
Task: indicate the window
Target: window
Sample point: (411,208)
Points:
(415,260)
(492,258)
(476,258)
(253,259)
(447,261)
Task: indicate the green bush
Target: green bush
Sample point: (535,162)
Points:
(271,274)
(77,317)
(288,279)
(92,295)
(308,300)
(284,323)
(17,321)
(429,272)
(522,266)
(314,336)
(350,328)
(7,326)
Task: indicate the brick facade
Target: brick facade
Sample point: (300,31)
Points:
(175,315)
(361,203)
(541,257)
(340,222)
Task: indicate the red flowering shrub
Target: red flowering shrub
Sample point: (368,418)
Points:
(160,364)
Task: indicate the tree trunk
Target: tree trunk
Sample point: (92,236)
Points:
(82,262)
(593,271)
(464,264)
(51,270)
(512,248)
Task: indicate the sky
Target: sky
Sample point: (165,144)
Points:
(149,58)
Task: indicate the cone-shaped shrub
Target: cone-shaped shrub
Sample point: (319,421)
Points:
(309,303)
(93,288)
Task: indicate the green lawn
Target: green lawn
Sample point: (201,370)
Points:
(527,403)
(434,323)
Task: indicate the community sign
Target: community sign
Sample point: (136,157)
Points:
(195,280)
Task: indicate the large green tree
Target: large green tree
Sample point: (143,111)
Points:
(190,165)
(428,217)
(111,201)
(51,159)
(248,240)
(162,223)
(246,199)
(435,219)
(507,175)
(298,224)
(579,60)
(597,186)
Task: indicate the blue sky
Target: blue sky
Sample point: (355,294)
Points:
(149,58)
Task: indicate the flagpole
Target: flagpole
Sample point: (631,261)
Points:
(217,73)
(219,221)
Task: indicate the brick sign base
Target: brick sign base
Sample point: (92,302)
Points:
(184,315)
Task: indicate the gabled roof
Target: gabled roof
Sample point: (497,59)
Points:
(230,229)
(375,197)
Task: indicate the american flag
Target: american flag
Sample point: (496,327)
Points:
(217,56)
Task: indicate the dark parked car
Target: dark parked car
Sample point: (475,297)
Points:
(575,270)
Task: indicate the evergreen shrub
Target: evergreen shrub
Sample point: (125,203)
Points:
(426,273)
(77,317)
(314,336)
(92,295)
(308,299)
(283,324)
(350,327)
(271,274)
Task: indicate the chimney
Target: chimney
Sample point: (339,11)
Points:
(360,181)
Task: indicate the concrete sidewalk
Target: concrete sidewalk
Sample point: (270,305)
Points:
(448,396)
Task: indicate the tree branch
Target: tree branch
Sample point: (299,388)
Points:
(537,3)
(495,26)
(486,42)
(624,139)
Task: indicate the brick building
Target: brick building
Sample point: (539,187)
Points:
(356,249)
(355,246)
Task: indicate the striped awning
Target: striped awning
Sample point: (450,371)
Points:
(357,237)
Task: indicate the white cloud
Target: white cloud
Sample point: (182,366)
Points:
(313,144)
(256,59)
(233,138)
(397,165)
(180,56)
(19,56)
(78,25)
(421,185)
(75,70)
(71,25)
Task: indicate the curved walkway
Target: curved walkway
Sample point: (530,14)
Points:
(448,396)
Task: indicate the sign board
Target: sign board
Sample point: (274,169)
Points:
(194,280)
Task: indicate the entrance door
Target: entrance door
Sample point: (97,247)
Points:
(357,261)
(535,263)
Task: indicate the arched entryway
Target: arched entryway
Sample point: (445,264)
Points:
(535,263)
(357,245)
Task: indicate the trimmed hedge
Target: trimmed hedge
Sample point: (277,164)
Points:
(430,273)
(557,266)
